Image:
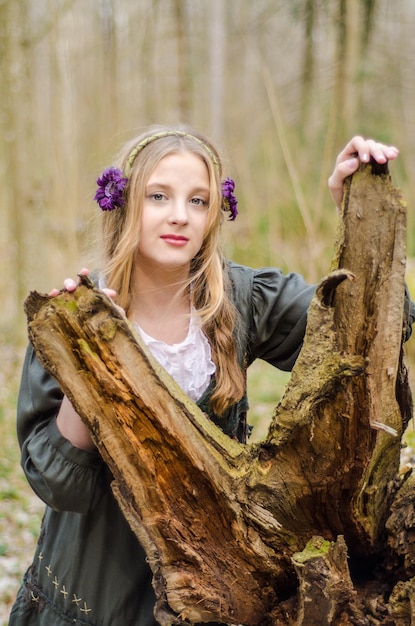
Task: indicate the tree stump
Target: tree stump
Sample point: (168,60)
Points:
(226,526)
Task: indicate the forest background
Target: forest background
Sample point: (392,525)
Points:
(279,86)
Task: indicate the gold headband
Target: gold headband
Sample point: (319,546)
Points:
(160,135)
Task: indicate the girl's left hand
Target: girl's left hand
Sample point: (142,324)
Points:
(357,151)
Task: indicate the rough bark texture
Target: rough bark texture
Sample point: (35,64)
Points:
(293,530)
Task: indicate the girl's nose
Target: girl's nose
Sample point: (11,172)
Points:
(179,212)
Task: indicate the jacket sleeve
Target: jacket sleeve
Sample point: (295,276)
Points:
(279,316)
(63,476)
(409,315)
(273,311)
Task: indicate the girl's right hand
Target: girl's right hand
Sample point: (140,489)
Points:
(70,285)
(68,421)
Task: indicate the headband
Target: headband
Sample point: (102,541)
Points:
(161,135)
(112,184)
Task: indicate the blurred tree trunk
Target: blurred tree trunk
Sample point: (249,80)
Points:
(147,63)
(345,90)
(354,25)
(18,149)
(369,11)
(111,62)
(292,530)
(57,227)
(217,68)
(183,73)
(307,73)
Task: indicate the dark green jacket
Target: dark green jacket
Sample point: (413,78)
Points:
(88,567)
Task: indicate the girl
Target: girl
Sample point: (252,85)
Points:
(204,318)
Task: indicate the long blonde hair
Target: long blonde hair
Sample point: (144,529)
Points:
(208,277)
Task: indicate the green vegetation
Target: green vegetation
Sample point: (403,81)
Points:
(315,548)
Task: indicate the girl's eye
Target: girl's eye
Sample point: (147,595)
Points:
(199,202)
(157,197)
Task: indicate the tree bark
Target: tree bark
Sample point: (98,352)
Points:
(227,527)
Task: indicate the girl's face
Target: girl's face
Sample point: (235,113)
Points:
(175,212)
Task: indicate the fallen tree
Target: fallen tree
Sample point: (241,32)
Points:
(314,524)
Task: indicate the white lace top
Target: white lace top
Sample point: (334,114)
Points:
(189,362)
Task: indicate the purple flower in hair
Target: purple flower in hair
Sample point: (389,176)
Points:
(230,203)
(110,192)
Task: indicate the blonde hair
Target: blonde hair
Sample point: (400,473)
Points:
(208,278)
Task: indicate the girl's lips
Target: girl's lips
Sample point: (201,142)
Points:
(175,240)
